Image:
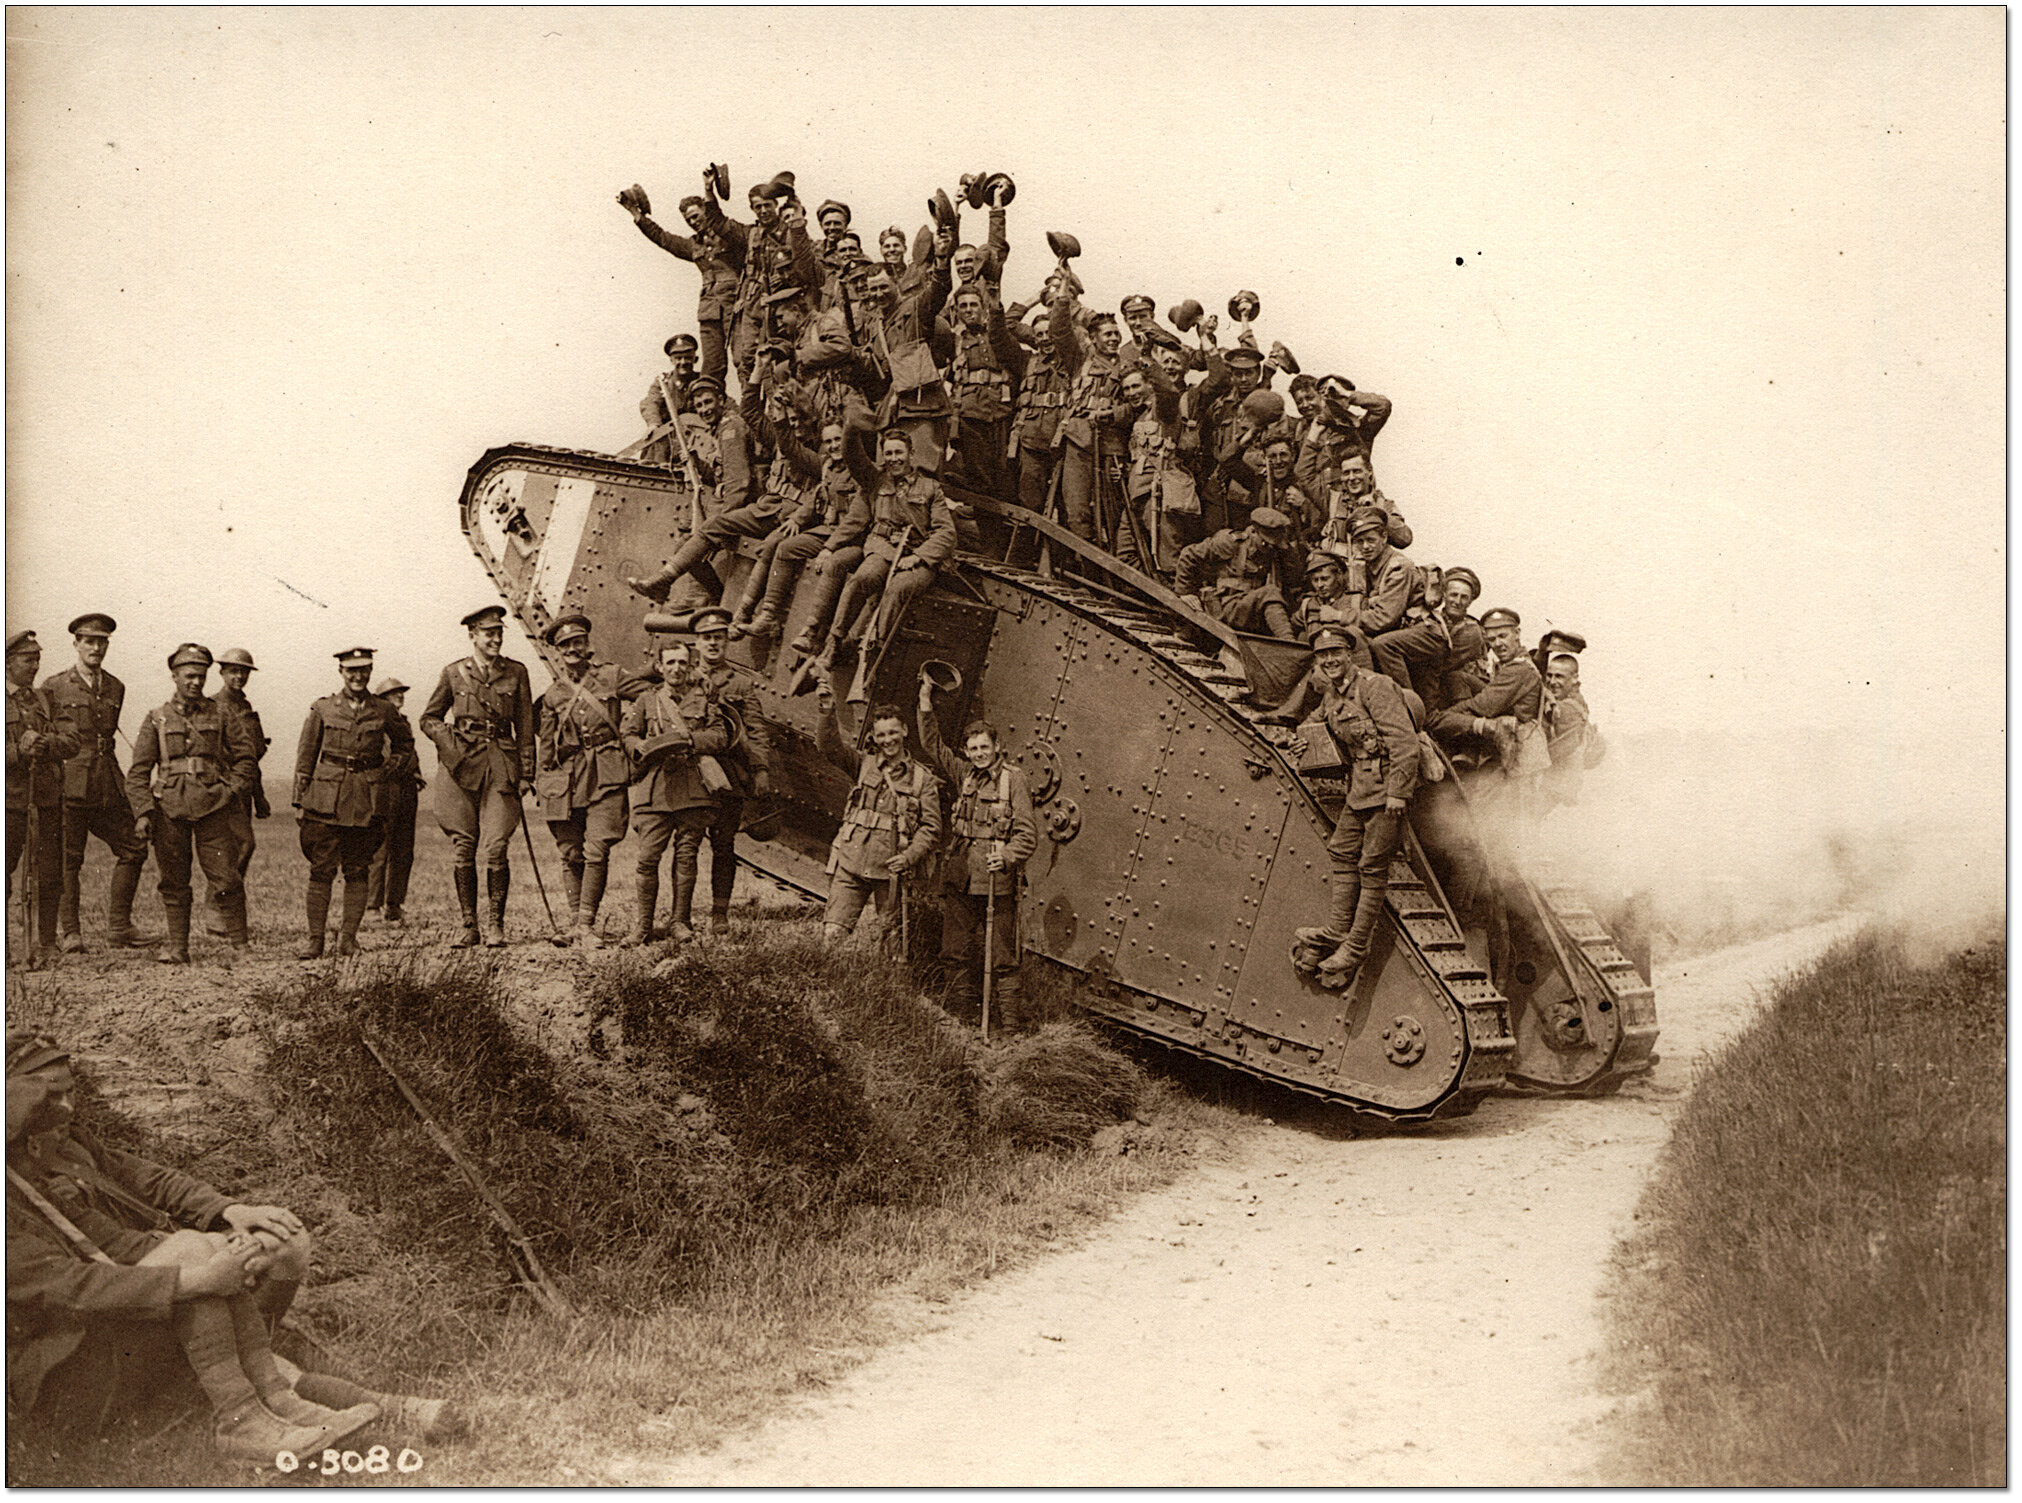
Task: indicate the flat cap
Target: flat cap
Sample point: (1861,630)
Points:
(93,624)
(191,652)
(1319,560)
(354,657)
(832,206)
(710,618)
(28,1052)
(486,615)
(567,628)
(705,383)
(22,641)
(1136,302)
(389,685)
(1333,635)
(1242,353)
(1270,519)
(1556,637)
(680,344)
(238,657)
(1502,615)
(1473,579)
(1368,519)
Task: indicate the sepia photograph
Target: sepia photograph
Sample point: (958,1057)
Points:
(1006,747)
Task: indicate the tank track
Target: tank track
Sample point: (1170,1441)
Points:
(1609,983)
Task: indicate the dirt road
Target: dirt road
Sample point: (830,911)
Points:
(1417,1309)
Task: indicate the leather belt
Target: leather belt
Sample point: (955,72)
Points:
(355,764)
(193,764)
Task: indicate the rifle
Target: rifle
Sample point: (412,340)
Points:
(989,944)
(687,457)
(867,666)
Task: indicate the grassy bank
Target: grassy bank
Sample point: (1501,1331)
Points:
(764,1141)
(1816,1293)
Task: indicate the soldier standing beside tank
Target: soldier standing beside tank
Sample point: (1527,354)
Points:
(87,700)
(235,669)
(37,746)
(393,862)
(991,835)
(583,770)
(747,762)
(669,731)
(206,762)
(481,719)
(890,825)
(342,795)
(1366,715)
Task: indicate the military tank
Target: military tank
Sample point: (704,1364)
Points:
(1180,844)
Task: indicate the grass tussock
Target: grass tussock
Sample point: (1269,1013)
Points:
(1817,1293)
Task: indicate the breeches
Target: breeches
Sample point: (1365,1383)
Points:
(847,893)
(980,443)
(347,848)
(217,851)
(47,877)
(685,830)
(479,825)
(715,351)
(964,918)
(726,527)
(1259,611)
(111,823)
(1414,657)
(585,838)
(1360,851)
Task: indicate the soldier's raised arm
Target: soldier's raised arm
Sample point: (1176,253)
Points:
(933,750)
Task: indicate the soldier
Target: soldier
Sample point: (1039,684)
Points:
(1275,485)
(1366,715)
(393,862)
(1327,601)
(891,823)
(207,764)
(1556,640)
(1092,426)
(722,453)
(991,834)
(665,400)
(1388,580)
(747,762)
(717,256)
(1571,737)
(1426,654)
(776,254)
(827,493)
(673,733)
(1238,577)
(235,668)
(342,795)
(1486,724)
(985,374)
(583,769)
(86,701)
(37,746)
(1347,488)
(481,719)
(912,534)
(1035,419)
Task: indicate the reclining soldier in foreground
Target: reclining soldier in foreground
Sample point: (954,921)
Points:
(96,1263)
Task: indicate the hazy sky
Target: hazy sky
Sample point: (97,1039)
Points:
(1693,319)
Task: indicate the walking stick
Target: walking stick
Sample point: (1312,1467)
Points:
(558,935)
(989,945)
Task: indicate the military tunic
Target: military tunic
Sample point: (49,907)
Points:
(992,812)
(584,767)
(192,762)
(1369,721)
(893,812)
(908,516)
(667,736)
(37,746)
(94,796)
(721,262)
(393,862)
(482,723)
(341,786)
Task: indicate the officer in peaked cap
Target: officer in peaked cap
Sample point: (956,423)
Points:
(665,400)
(342,795)
(583,769)
(481,719)
(86,701)
(393,862)
(192,764)
(235,668)
(36,748)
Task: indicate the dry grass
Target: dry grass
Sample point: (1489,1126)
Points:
(1817,1294)
(766,1141)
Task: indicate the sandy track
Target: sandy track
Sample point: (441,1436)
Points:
(1416,1309)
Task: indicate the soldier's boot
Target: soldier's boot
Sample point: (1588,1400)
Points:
(119,929)
(778,595)
(238,931)
(66,924)
(684,902)
(722,883)
(1008,1004)
(653,586)
(466,899)
(833,935)
(175,945)
(316,909)
(1311,946)
(354,914)
(257,1361)
(588,901)
(572,884)
(648,898)
(1338,969)
(216,923)
(408,1417)
(496,880)
(245,1426)
(827,591)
